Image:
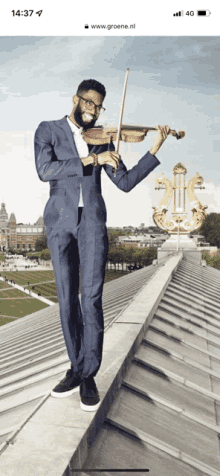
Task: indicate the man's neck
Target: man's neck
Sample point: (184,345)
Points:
(73,121)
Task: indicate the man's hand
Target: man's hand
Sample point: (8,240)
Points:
(163,132)
(109,157)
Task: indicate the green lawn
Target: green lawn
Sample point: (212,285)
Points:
(46,289)
(11,293)
(23,304)
(49,289)
(5,320)
(53,298)
(23,277)
(20,307)
(4,285)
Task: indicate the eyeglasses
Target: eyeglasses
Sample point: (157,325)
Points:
(90,104)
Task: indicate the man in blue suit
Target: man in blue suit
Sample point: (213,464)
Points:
(75,219)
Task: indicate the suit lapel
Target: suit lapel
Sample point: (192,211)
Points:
(66,128)
(97,149)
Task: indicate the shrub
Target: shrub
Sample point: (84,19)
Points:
(45,255)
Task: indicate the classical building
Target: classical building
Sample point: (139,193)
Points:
(142,241)
(18,235)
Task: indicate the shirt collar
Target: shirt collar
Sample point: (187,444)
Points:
(76,130)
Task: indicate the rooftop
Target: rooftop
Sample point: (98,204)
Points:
(159,382)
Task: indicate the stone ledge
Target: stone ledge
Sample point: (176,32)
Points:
(57,438)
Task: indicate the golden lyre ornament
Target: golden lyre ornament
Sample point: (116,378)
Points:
(179,221)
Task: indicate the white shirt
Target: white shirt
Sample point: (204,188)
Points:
(82,149)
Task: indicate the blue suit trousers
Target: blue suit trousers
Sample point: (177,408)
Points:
(85,247)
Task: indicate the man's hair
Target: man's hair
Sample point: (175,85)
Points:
(88,84)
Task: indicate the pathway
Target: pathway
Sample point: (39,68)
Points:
(31,293)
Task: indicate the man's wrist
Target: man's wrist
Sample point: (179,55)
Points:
(87,160)
(153,151)
(95,159)
(155,147)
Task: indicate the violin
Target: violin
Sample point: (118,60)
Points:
(99,135)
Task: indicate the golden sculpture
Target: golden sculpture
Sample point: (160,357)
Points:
(179,223)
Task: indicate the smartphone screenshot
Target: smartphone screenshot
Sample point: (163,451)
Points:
(109,238)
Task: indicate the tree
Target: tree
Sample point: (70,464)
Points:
(128,253)
(212,259)
(210,229)
(18,251)
(149,255)
(131,255)
(45,255)
(138,256)
(34,255)
(121,257)
(113,255)
(41,243)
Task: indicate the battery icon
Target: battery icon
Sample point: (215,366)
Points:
(203,13)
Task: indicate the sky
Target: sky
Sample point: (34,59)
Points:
(172,80)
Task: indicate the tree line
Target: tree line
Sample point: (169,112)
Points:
(131,255)
(116,255)
(210,229)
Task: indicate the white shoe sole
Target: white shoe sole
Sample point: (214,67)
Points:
(64,394)
(89,408)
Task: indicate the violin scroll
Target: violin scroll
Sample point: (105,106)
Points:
(178,135)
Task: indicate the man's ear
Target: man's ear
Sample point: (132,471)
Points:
(75,100)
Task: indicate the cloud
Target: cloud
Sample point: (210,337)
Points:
(45,60)
(216,98)
(21,189)
(211,196)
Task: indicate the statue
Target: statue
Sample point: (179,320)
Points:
(179,223)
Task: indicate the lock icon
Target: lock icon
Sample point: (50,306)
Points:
(86,26)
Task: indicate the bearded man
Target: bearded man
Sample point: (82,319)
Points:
(75,219)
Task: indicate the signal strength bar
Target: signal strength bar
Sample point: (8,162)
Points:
(179,14)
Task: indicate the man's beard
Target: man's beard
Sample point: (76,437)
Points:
(79,119)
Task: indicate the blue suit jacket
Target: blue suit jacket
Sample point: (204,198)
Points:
(58,162)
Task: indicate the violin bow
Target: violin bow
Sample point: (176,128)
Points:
(178,135)
(121,113)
